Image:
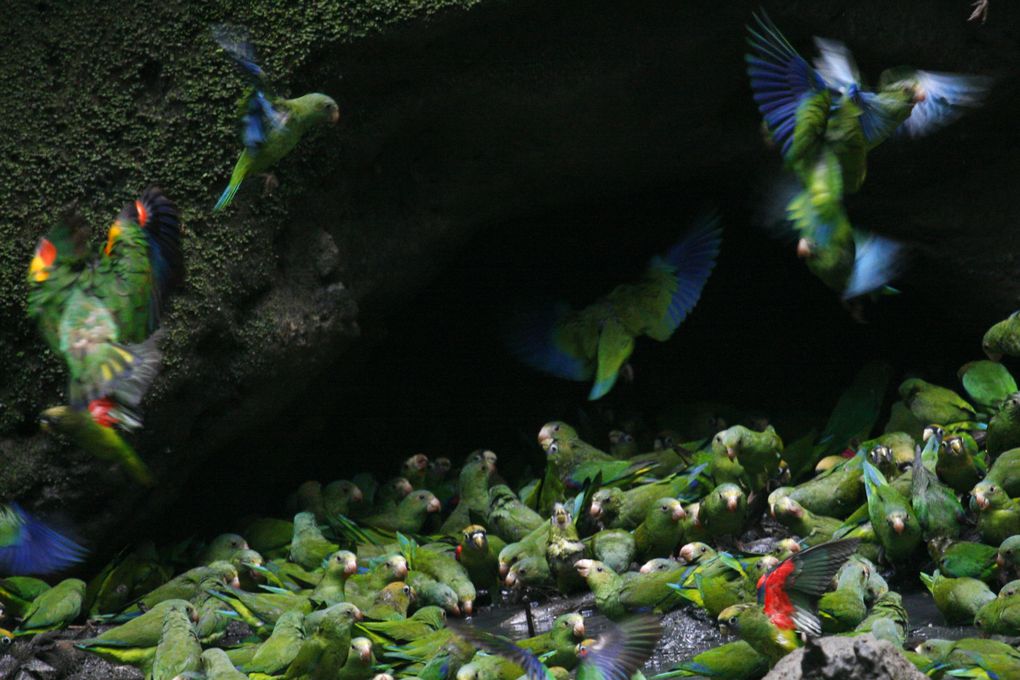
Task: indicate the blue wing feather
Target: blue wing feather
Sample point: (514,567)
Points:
(780,79)
(877,262)
(37,549)
(691,260)
(532,338)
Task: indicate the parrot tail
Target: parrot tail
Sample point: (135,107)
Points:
(127,457)
(146,359)
(227,196)
(236,178)
(37,549)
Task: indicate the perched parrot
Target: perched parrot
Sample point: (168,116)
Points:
(597,340)
(937,508)
(894,522)
(957,559)
(1004,426)
(27,546)
(135,642)
(934,404)
(1000,615)
(54,608)
(959,599)
(1003,338)
(179,651)
(270,126)
(101,315)
(998,514)
(730,661)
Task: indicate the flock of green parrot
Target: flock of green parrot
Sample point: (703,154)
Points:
(360,581)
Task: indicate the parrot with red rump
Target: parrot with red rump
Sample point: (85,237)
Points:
(786,596)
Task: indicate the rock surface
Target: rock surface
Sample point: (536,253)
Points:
(845,658)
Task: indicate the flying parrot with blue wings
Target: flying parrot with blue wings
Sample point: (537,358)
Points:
(27,546)
(101,317)
(825,121)
(596,341)
(270,126)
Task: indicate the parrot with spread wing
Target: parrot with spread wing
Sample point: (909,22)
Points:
(825,122)
(270,126)
(596,342)
(27,546)
(101,317)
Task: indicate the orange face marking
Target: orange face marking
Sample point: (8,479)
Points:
(45,256)
(112,236)
(143,215)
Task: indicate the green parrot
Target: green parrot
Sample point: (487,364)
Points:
(835,493)
(617,654)
(1005,472)
(757,452)
(724,511)
(937,508)
(616,548)
(360,661)
(328,637)
(844,608)
(222,548)
(341,497)
(339,566)
(811,528)
(421,623)
(605,584)
(473,491)
(960,464)
(958,559)
(308,498)
(126,577)
(987,383)
(958,599)
(54,608)
(270,536)
(185,586)
(892,518)
(308,547)
(887,619)
(178,651)
(28,546)
(615,595)
(1000,615)
(730,661)
(18,592)
(429,591)
(560,641)
(717,583)
(618,509)
(264,608)
(271,126)
(660,532)
(448,570)
(566,451)
(596,342)
(997,659)
(279,649)
(529,571)
(135,642)
(933,404)
(409,515)
(391,602)
(1003,338)
(1004,426)
(479,553)
(1007,556)
(564,549)
(752,625)
(361,588)
(100,317)
(998,515)
(414,469)
(532,545)
(508,518)
(216,665)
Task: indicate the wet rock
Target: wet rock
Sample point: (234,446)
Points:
(845,658)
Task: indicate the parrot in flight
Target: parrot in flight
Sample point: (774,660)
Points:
(270,126)
(617,654)
(27,546)
(101,316)
(825,121)
(595,342)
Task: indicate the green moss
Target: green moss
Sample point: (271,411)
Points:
(116,96)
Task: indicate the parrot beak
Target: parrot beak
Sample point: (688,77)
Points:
(434,505)
(357,496)
(579,629)
(1000,560)
(583,567)
(724,630)
(468,606)
(365,654)
(678,513)
(645,569)
(504,569)
(687,553)
(898,525)
(510,581)
(351,567)
(455,610)
(545,437)
(235,582)
(358,616)
(334,116)
(731,503)
(479,541)
(993,356)
(731,453)
(803,248)
(981,501)
(595,510)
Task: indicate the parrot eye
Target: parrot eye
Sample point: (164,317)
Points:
(407,590)
(553,448)
(556,428)
(599,569)
(991,489)
(522,572)
(627,438)
(732,621)
(665,508)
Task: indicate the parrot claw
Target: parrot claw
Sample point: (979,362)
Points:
(980,11)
